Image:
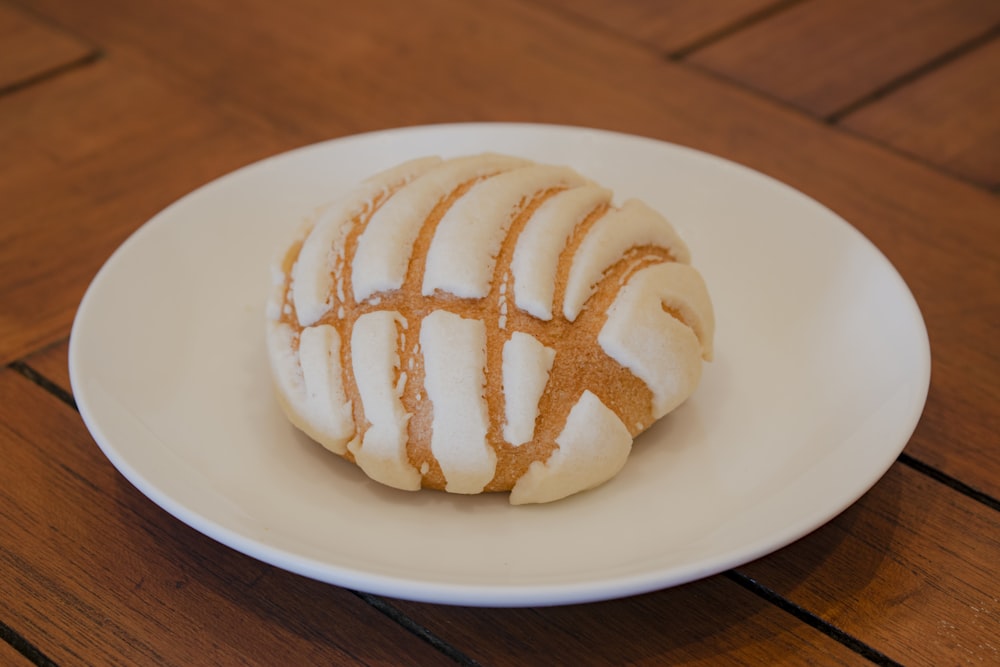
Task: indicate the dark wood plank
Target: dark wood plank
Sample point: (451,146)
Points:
(667,25)
(825,55)
(949,117)
(99,575)
(911,568)
(670,626)
(953,436)
(710,622)
(32,48)
(91,572)
(11,657)
(912,534)
(517,61)
(52,364)
(74,185)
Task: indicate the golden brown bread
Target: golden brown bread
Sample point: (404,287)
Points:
(486,324)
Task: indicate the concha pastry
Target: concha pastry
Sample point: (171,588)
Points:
(485,323)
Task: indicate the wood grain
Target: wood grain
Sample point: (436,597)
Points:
(693,632)
(52,364)
(710,622)
(517,61)
(667,25)
(695,629)
(912,535)
(74,185)
(92,572)
(910,568)
(32,49)
(11,657)
(950,117)
(824,55)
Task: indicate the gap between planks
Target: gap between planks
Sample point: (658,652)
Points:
(812,620)
(24,647)
(53,72)
(905,79)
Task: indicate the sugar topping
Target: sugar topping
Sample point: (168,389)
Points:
(384,249)
(633,225)
(327,409)
(536,255)
(526,366)
(467,241)
(454,355)
(593,447)
(314,270)
(376,365)
(643,336)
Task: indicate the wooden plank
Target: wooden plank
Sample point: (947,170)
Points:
(825,55)
(710,622)
(74,185)
(950,117)
(92,572)
(489,61)
(911,534)
(32,48)
(509,60)
(500,61)
(669,626)
(668,25)
(12,657)
(52,364)
(911,568)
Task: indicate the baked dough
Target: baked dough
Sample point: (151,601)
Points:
(485,323)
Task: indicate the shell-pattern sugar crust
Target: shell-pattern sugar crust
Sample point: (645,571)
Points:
(485,323)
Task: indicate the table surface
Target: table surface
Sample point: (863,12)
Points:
(887,112)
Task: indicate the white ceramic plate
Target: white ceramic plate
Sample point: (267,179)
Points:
(821,372)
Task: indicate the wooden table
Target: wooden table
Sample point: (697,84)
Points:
(888,112)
